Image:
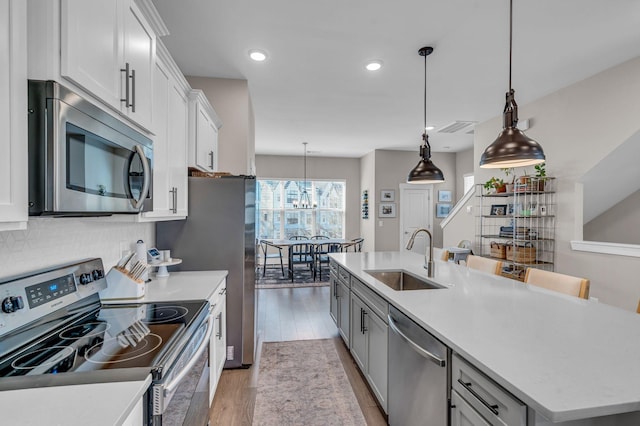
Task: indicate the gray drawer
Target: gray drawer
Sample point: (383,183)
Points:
(495,403)
(344,276)
(371,298)
(333,267)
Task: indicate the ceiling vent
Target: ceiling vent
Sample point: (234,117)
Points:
(457,126)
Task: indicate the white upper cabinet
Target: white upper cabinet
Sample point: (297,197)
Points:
(170,109)
(107,47)
(203,133)
(13,115)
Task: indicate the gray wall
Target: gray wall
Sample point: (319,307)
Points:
(236,140)
(327,168)
(619,224)
(563,122)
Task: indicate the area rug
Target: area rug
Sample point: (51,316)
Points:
(303,383)
(301,278)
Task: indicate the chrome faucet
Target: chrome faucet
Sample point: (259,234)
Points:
(428,255)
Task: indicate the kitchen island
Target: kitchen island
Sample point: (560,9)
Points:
(567,359)
(116,403)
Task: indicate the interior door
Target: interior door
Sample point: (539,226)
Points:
(416,211)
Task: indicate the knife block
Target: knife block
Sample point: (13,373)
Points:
(121,287)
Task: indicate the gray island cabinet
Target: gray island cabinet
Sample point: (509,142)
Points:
(517,354)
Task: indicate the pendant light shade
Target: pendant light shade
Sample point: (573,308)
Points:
(425,171)
(512,148)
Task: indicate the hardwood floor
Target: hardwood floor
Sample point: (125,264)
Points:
(283,315)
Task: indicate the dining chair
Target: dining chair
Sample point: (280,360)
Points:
(638,308)
(321,257)
(484,264)
(264,245)
(567,284)
(445,255)
(300,254)
(356,244)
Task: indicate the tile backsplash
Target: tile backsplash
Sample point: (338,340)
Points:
(52,241)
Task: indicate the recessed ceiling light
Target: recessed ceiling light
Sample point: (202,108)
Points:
(374,65)
(257,55)
(429,128)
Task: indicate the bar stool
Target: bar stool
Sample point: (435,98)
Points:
(484,264)
(562,283)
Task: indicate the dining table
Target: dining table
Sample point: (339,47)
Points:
(310,242)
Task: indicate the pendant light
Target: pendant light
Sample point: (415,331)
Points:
(512,148)
(425,171)
(305,200)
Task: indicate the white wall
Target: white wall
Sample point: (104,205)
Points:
(236,140)
(348,169)
(577,127)
(619,224)
(464,165)
(368,183)
(49,241)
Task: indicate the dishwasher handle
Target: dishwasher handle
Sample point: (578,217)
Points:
(419,349)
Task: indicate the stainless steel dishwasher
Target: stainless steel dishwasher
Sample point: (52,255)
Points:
(418,379)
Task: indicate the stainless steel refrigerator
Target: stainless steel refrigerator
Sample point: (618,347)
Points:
(219,233)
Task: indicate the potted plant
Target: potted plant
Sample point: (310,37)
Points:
(541,175)
(495,184)
(509,171)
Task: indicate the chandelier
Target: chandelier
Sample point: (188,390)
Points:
(305,200)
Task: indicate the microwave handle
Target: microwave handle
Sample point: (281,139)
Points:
(147,179)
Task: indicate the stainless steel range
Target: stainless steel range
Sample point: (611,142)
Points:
(54,331)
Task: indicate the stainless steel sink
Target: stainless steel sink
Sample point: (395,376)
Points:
(402,280)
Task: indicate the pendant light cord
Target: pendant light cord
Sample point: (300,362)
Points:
(510,39)
(425,94)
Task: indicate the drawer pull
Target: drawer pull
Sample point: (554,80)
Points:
(467,386)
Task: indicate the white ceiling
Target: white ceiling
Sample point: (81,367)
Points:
(314,87)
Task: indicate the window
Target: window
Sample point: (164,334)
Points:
(278,218)
(468,182)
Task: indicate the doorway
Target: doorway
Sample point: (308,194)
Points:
(416,211)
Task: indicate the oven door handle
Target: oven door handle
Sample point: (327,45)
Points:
(168,388)
(146,171)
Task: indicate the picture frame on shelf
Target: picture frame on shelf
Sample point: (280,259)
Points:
(443,210)
(514,209)
(444,196)
(387,210)
(387,195)
(498,210)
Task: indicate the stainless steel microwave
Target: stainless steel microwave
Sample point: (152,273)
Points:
(82,160)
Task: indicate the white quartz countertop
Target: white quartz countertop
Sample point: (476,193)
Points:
(186,285)
(565,357)
(79,405)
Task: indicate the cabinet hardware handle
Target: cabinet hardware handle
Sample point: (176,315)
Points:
(211,156)
(175,200)
(133,90)
(364,327)
(219,333)
(125,70)
(361,321)
(467,386)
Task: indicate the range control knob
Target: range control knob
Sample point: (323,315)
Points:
(12,304)
(85,279)
(97,274)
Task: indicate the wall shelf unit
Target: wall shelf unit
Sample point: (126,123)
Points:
(518,227)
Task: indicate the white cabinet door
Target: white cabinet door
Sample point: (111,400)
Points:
(377,334)
(358,332)
(108,48)
(139,53)
(203,133)
(218,342)
(13,117)
(90,48)
(178,135)
(136,417)
(161,156)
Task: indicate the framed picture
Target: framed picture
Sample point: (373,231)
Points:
(444,196)
(514,209)
(387,210)
(442,210)
(387,195)
(498,210)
